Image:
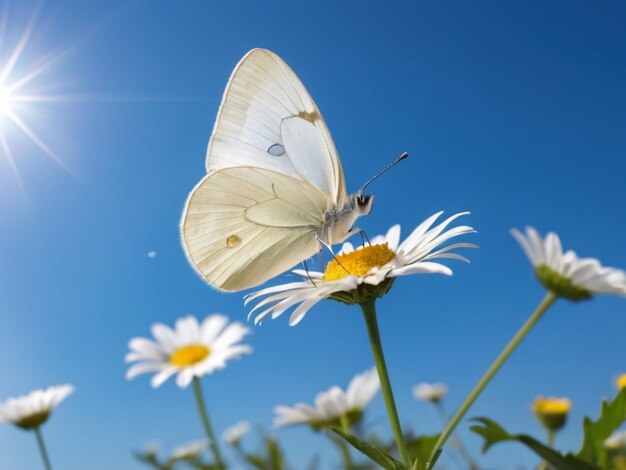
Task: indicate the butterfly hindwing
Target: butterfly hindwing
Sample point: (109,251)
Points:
(242,226)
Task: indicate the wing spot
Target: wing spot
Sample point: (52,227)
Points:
(309,116)
(233,241)
(276,150)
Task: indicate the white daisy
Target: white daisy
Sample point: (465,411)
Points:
(332,404)
(430,392)
(190,450)
(368,271)
(566,274)
(616,441)
(191,349)
(233,434)
(150,449)
(32,410)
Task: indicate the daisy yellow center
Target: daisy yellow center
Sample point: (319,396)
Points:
(359,262)
(621,381)
(189,355)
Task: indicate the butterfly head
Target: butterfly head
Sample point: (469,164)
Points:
(363,203)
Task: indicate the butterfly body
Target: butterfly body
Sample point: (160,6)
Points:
(339,223)
(274,189)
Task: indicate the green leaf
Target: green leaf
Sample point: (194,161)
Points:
(150,459)
(493,434)
(420,449)
(376,454)
(274,453)
(595,432)
(255,460)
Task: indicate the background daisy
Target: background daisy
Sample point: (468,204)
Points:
(190,349)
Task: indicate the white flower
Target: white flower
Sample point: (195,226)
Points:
(368,271)
(151,448)
(430,392)
(566,274)
(191,349)
(616,441)
(332,404)
(32,410)
(234,433)
(190,450)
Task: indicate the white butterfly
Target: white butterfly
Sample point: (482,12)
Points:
(274,188)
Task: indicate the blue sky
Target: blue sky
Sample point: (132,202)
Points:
(512,110)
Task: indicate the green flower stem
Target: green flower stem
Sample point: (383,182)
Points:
(197,388)
(343,447)
(551,439)
(369,313)
(493,369)
(456,441)
(42,449)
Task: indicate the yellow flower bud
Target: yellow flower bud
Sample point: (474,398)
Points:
(552,412)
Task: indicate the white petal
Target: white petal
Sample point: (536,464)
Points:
(346,248)
(362,388)
(147,349)
(309,274)
(232,334)
(393,237)
(166,336)
(418,233)
(425,267)
(142,368)
(537,245)
(184,377)
(211,327)
(280,288)
(554,251)
(188,330)
(299,313)
(162,376)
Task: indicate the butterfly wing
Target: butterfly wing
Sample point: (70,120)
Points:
(242,226)
(273,173)
(267,119)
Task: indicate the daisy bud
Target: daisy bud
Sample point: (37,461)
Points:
(430,392)
(552,412)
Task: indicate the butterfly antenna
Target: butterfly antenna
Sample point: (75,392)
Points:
(397,160)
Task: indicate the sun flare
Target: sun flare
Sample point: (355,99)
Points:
(21,80)
(5,102)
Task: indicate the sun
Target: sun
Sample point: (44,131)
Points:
(20,72)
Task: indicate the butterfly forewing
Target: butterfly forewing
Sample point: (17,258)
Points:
(261,94)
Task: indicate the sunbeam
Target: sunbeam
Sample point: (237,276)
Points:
(17,97)
(29,86)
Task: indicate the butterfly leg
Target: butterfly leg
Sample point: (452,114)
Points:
(321,252)
(333,254)
(306,269)
(364,237)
